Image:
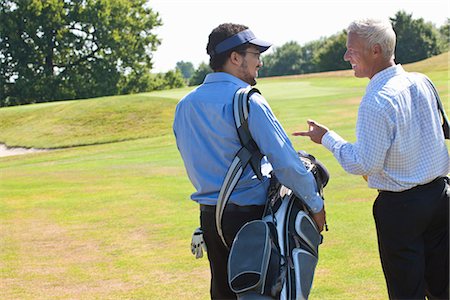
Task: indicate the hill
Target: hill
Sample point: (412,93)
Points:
(86,122)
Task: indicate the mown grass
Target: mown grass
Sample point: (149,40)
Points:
(86,122)
(113,220)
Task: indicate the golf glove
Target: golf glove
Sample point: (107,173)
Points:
(284,191)
(197,243)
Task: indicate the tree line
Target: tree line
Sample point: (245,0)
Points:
(71,49)
(416,40)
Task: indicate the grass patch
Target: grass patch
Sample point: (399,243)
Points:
(86,122)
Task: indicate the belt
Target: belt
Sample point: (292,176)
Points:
(231,207)
(418,187)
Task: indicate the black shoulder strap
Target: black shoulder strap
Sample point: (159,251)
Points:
(445,122)
(241,108)
(249,153)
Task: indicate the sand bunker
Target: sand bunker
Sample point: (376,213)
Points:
(9,151)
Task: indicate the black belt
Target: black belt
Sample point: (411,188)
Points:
(231,207)
(418,187)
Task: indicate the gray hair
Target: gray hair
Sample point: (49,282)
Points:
(376,32)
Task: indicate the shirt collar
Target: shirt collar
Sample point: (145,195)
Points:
(384,75)
(222,76)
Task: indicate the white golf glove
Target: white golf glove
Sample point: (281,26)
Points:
(197,243)
(284,191)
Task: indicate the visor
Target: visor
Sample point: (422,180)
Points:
(238,39)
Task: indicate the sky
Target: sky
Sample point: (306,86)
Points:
(187,24)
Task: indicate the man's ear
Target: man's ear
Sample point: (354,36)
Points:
(235,58)
(376,50)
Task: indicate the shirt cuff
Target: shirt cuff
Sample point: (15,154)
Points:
(330,139)
(314,204)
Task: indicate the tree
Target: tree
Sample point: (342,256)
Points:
(416,39)
(55,50)
(140,81)
(137,81)
(174,79)
(444,30)
(330,57)
(291,58)
(285,60)
(199,74)
(186,69)
(310,52)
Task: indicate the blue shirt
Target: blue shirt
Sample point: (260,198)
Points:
(207,139)
(400,143)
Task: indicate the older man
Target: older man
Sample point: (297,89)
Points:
(400,149)
(208,141)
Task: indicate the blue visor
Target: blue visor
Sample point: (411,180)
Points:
(241,38)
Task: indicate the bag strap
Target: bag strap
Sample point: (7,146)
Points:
(240,112)
(445,124)
(249,153)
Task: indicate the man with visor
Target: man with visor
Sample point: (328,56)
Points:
(208,141)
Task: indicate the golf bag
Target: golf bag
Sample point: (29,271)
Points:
(274,257)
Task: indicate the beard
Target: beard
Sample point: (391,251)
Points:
(246,75)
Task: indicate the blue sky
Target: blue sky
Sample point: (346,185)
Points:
(187,24)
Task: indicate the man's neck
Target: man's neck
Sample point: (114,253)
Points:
(382,65)
(227,68)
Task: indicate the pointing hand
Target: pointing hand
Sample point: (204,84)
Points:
(315,133)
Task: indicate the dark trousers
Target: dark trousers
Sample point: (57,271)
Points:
(234,217)
(412,229)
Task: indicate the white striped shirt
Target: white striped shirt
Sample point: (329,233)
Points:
(400,143)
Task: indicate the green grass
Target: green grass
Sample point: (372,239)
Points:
(109,216)
(86,122)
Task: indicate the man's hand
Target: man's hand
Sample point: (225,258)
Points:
(315,133)
(320,219)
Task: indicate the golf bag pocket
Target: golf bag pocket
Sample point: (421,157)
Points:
(254,264)
(308,233)
(304,265)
